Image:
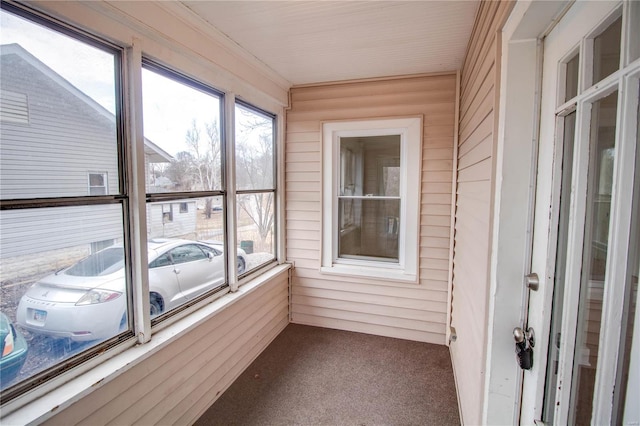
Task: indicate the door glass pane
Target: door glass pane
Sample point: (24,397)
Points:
(606,51)
(561,257)
(571,78)
(596,236)
(630,316)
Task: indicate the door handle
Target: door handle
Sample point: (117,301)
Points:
(177,271)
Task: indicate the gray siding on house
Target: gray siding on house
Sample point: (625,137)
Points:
(51,154)
(477,140)
(410,311)
(181,225)
(62,143)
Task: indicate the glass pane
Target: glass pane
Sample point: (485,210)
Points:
(571,78)
(57,113)
(370,166)
(254,150)
(596,236)
(630,314)
(560,268)
(189,233)
(606,51)
(256,230)
(182,135)
(63,285)
(369,229)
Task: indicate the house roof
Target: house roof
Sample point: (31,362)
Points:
(308,42)
(154,153)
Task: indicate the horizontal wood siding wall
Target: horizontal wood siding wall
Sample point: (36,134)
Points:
(476,144)
(410,311)
(178,383)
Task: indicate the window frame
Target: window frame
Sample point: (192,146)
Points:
(410,131)
(273,190)
(132,197)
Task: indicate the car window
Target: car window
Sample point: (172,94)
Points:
(103,262)
(187,253)
(211,250)
(163,260)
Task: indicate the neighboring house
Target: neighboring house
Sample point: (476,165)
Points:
(31,99)
(510,205)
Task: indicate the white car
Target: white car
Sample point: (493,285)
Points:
(88,301)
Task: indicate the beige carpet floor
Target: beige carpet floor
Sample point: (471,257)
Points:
(318,376)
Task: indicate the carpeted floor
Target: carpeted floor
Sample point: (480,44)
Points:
(318,376)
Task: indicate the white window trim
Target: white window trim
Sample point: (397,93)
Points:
(410,131)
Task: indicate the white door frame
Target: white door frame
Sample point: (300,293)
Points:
(515,195)
(519,189)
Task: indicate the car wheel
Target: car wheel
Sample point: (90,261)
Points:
(156,304)
(241,265)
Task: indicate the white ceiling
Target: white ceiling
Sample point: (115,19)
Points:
(319,41)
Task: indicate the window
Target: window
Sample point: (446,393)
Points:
(69,232)
(97,184)
(371,198)
(58,224)
(255,185)
(182,121)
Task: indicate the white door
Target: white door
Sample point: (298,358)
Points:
(586,232)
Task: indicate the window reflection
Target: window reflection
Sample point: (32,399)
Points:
(602,157)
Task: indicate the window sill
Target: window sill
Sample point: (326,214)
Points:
(25,410)
(383,274)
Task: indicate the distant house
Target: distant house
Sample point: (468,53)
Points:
(35,126)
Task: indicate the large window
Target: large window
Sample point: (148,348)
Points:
(63,196)
(81,197)
(371,193)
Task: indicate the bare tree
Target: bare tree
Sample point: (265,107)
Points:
(199,168)
(254,169)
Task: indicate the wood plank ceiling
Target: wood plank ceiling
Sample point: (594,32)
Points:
(309,42)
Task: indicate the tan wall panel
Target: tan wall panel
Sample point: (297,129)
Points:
(183,379)
(476,147)
(359,304)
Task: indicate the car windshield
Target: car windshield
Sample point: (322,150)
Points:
(104,262)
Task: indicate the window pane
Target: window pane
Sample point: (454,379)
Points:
(183,232)
(182,135)
(57,113)
(631,319)
(63,284)
(602,159)
(606,51)
(370,166)
(256,229)
(571,78)
(369,229)
(254,150)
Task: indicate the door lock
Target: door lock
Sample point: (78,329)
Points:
(525,341)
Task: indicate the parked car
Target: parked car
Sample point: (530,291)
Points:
(14,351)
(87,301)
